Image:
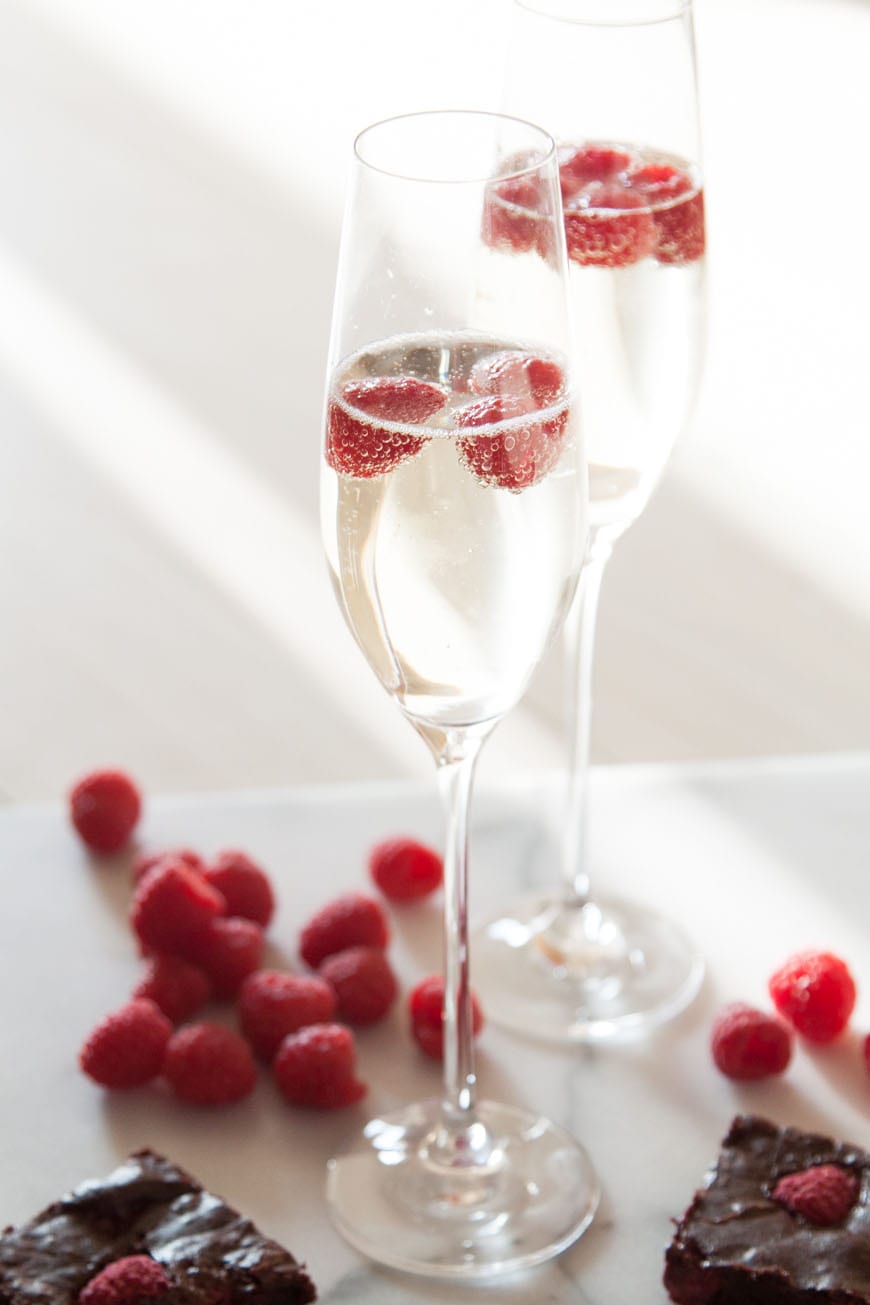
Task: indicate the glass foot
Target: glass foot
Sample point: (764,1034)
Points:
(593,973)
(531,1192)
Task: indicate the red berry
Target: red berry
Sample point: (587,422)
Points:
(659,183)
(134,1280)
(512,216)
(678,210)
(209,1065)
(176,986)
(352,920)
(317,1067)
(513,458)
(228,949)
(363,981)
(748,1044)
(404,869)
(171,905)
(823,1194)
(538,382)
(816,993)
(245,886)
(609,226)
(426,1005)
(681,230)
(105,807)
(127,1047)
(577,167)
(146,861)
(357,446)
(273,1003)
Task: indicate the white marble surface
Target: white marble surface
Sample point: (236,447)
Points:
(757,859)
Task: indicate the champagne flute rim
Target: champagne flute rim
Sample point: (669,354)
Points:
(548,9)
(546,158)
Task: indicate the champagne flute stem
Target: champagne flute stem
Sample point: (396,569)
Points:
(580,656)
(456,767)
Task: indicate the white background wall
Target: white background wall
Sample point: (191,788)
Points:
(172,185)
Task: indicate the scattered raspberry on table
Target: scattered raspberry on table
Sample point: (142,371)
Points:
(209,1065)
(317,1067)
(749,1044)
(145,861)
(127,1048)
(105,806)
(426,1007)
(363,981)
(244,884)
(405,870)
(179,988)
(273,1003)
(172,905)
(815,992)
(228,948)
(351,920)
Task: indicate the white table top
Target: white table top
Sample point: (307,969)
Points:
(757,860)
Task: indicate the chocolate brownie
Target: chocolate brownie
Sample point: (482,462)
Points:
(148,1206)
(736,1245)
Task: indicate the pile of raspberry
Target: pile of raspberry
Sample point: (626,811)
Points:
(200,926)
(813,994)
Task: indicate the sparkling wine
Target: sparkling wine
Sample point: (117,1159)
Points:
(454,539)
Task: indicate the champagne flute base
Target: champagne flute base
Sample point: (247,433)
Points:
(533,1194)
(607,970)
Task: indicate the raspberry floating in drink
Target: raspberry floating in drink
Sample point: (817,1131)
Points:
(357,444)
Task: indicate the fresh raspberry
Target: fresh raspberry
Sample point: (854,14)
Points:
(677,209)
(513,458)
(609,226)
(209,1065)
(146,861)
(273,1003)
(362,448)
(317,1067)
(512,217)
(426,1005)
(578,167)
(659,183)
(176,986)
(228,949)
(748,1044)
(364,983)
(404,869)
(134,1280)
(816,993)
(171,905)
(105,807)
(538,382)
(245,886)
(352,920)
(127,1047)
(681,230)
(823,1194)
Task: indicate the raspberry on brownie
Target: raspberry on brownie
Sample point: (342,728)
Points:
(751,1238)
(148,1208)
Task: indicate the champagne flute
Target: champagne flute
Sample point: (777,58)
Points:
(615,82)
(454,507)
